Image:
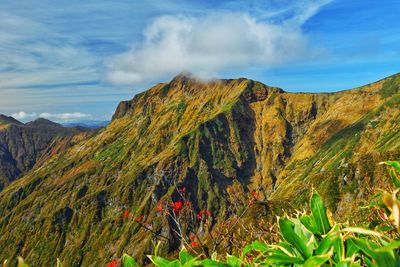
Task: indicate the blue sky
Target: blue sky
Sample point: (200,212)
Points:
(75,60)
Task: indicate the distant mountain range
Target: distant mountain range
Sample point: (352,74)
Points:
(219,139)
(93,124)
(22,146)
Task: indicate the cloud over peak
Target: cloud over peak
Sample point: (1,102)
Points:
(217,41)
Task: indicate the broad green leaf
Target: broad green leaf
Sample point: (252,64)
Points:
(389,247)
(394,164)
(233,261)
(256,245)
(159,261)
(316,261)
(318,212)
(213,263)
(351,248)
(128,261)
(174,263)
(332,239)
(385,258)
(287,248)
(184,256)
(287,229)
(308,222)
(279,257)
(369,262)
(362,231)
(348,263)
(395,179)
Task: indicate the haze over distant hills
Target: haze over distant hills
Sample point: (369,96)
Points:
(93,124)
(211,137)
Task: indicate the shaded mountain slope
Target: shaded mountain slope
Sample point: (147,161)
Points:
(23,145)
(209,137)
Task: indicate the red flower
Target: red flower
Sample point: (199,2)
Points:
(194,244)
(140,219)
(113,263)
(255,195)
(160,207)
(192,237)
(177,206)
(205,213)
(126,214)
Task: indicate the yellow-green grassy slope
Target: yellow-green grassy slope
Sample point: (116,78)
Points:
(206,136)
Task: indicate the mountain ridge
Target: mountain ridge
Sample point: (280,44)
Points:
(209,137)
(24,145)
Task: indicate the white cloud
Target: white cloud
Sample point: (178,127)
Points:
(215,42)
(58,117)
(64,116)
(24,116)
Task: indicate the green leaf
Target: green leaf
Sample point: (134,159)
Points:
(316,261)
(351,248)
(278,257)
(233,261)
(348,263)
(389,247)
(213,263)
(308,222)
(128,261)
(287,229)
(256,245)
(394,164)
(395,180)
(318,212)
(159,261)
(174,263)
(332,239)
(184,256)
(381,258)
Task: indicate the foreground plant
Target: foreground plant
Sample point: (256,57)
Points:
(308,240)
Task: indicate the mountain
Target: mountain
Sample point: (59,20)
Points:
(24,145)
(210,137)
(92,124)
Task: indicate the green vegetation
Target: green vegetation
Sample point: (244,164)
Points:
(308,240)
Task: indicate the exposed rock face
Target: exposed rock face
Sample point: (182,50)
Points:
(23,145)
(208,136)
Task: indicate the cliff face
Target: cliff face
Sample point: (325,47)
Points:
(23,145)
(207,136)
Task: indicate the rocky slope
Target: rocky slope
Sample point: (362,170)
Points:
(210,137)
(24,145)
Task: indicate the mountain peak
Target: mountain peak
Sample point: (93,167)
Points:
(8,120)
(43,122)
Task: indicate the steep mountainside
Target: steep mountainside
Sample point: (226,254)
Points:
(207,136)
(23,145)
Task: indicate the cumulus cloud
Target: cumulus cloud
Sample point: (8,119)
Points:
(59,117)
(211,43)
